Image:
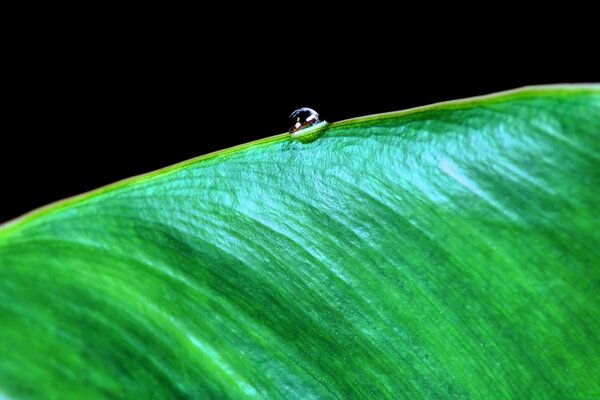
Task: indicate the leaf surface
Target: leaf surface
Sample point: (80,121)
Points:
(450,251)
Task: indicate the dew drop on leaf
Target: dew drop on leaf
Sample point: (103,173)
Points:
(303,118)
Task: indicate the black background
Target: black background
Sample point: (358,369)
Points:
(85,114)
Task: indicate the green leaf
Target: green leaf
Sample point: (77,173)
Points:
(450,251)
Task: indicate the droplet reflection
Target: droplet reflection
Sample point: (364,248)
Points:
(303,118)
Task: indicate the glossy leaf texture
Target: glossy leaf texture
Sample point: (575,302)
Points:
(445,252)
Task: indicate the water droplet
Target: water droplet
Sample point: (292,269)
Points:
(303,118)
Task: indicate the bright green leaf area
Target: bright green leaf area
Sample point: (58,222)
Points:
(450,251)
